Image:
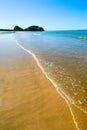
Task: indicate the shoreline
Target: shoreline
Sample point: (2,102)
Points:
(29,99)
(75,111)
(60,92)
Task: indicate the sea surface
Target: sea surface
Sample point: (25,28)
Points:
(63,55)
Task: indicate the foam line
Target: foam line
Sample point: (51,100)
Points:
(62,94)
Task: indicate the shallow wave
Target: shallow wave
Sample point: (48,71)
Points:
(37,34)
(57,83)
(80,37)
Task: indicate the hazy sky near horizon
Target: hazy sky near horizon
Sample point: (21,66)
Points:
(51,14)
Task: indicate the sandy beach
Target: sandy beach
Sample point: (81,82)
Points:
(28,101)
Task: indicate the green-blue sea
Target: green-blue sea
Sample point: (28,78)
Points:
(63,55)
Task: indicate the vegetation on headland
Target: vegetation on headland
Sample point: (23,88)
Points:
(31,28)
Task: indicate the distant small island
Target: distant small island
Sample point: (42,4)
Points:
(31,28)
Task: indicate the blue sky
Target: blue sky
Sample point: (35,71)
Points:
(51,14)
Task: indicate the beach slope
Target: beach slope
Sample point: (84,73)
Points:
(28,101)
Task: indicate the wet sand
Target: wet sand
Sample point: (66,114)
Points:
(80,117)
(28,101)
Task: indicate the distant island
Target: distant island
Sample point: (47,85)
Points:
(31,28)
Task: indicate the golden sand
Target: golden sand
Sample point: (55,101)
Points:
(28,100)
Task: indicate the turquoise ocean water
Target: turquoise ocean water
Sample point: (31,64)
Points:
(63,55)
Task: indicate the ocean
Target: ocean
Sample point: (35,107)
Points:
(63,55)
